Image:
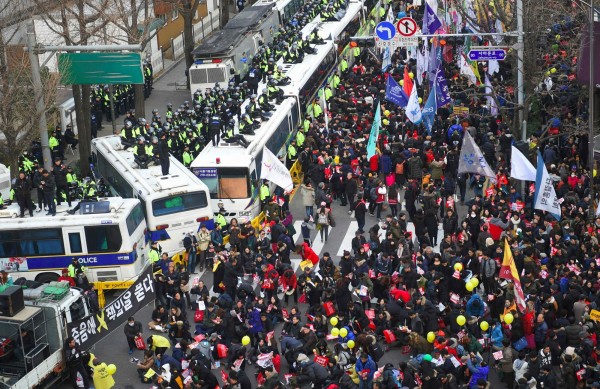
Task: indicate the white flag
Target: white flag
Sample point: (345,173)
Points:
(545,195)
(472,160)
(467,70)
(413,110)
(274,170)
(520,167)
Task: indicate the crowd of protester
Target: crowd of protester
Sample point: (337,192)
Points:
(436,304)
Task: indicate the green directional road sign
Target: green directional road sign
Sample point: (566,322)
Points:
(100,68)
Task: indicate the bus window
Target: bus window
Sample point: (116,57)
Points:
(233,183)
(103,239)
(179,203)
(31,243)
(75,242)
(135,218)
(215,75)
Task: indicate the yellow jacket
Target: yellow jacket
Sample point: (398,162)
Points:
(102,378)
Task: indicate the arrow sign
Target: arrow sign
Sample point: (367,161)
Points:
(487,55)
(385,31)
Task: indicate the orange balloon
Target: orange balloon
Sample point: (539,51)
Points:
(442,42)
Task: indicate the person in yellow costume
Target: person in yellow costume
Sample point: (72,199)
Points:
(103,375)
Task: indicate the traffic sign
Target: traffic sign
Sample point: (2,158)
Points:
(406,26)
(100,68)
(487,55)
(385,31)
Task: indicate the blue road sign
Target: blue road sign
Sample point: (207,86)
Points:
(487,55)
(385,31)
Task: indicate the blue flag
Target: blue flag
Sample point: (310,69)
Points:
(372,144)
(441,88)
(435,60)
(429,110)
(430,21)
(394,93)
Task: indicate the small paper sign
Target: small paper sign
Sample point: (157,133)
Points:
(497,355)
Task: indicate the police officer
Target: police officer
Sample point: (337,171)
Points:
(89,194)
(148,73)
(141,153)
(54,145)
(292,154)
(264,193)
(215,127)
(254,77)
(187,156)
(59,171)
(163,153)
(23,193)
(229,137)
(154,254)
(128,134)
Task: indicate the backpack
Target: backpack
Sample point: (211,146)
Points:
(373,193)
(225,301)
(377,351)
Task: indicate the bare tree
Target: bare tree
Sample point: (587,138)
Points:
(538,17)
(188,10)
(18,124)
(132,17)
(77,21)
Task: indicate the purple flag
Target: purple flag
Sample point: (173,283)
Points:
(394,93)
(435,59)
(441,88)
(430,21)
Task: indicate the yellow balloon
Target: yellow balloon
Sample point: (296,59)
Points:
(509,318)
(386,112)
(351,344)
(111,369)
(411,75)
(431,336)
(475,282)
(335,332)
(246,340)
(334,321)
(420,100)
(469,286)
(401,82)
(484,325)
(343,332)
(553,70)
(461,320)
(458,266)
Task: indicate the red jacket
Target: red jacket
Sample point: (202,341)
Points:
(374,163)
(308,253)
(270,278)
(289,282)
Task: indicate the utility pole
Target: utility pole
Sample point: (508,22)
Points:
(592,92)
(520,69)
(40,104)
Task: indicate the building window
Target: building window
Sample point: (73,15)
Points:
(174,13)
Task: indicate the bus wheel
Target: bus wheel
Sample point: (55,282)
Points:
(45,278)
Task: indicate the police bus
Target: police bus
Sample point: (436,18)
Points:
(227,53)
(173,205)
(107,237)
(232,172)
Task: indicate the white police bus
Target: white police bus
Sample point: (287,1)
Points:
(107,237)
(173,205)
(232,172)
